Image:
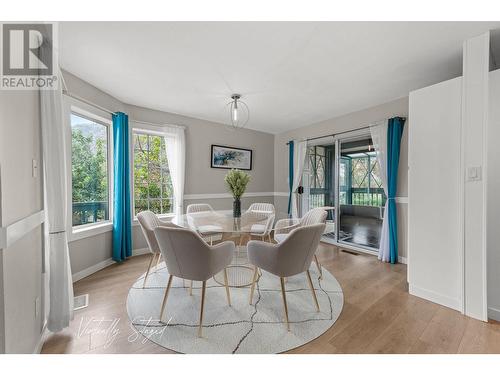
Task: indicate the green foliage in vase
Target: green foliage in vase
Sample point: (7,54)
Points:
(237,182)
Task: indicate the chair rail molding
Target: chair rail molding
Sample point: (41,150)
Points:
(15,231)
(227,195)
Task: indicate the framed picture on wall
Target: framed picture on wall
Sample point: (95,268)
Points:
(226,157)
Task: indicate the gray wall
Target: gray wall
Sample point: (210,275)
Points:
(200,135)
(200,178)
(20,197)
(347,122)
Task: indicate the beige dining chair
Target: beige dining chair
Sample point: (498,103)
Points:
(288,258)
(264,213)
(208,231)
(284,226)
(148,222)
(188,256)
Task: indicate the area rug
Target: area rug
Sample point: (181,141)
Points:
(241,327)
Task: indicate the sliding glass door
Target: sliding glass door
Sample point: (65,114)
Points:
(318,180)
(341,174)
(361,195)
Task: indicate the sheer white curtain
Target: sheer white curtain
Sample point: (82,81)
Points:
(299,157)
(379,136)
(55,185)
(175,141)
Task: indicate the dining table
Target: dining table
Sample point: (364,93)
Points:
(223,225)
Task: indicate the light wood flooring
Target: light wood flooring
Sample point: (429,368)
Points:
(379,316)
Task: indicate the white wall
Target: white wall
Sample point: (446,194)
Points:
(453,218)
(435,233)
(493,189)
(20,197)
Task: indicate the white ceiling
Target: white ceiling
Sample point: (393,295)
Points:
(290,74)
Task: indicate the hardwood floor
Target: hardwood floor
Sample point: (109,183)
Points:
(379,315)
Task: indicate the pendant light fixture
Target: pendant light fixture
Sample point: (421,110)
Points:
(238,112)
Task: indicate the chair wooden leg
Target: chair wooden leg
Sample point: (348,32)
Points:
(319,267)
(201,308)
(158,261)
(312,290)
(284,302)
(227,287)
(253,284)
(164,303)
(149,268)
(191,288)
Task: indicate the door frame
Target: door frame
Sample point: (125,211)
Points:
(336,140)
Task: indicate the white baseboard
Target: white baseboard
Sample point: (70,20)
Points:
(402,260)
(432,296)
(92,269)
(494,314)
(101,265)
(43,336)
(143,251)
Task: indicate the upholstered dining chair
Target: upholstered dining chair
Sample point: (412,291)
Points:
(266,212)
(288,258)
(209,231)
(148,222)
(284,226)
(188,256)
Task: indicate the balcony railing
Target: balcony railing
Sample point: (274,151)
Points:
(356,196)
(316,200)
(90,212)
(362,197)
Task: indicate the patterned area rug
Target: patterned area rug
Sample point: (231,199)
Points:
(239,328)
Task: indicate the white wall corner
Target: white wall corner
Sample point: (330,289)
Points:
(475,107)
(3,238)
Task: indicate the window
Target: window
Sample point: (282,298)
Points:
(321,159)
(90,172)
(317,161)
(360,182)
(152,182)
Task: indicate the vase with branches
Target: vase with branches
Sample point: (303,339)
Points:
(237,182)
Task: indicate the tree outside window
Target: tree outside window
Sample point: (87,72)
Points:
(89,171)
(152,182)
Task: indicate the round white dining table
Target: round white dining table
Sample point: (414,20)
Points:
(221,225)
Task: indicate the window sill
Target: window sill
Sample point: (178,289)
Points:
(107,226)
(91,230)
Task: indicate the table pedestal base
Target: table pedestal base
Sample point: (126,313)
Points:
(239,272)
